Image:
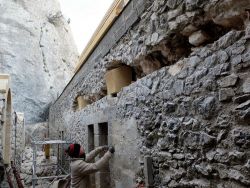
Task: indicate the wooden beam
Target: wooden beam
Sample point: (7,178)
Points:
(4,76)
(108,20)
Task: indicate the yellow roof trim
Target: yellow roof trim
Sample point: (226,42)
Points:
(109,18)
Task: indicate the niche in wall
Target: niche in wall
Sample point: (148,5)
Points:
(80,102)
(91,142)
(103,133)
(103,177)
(98,136)
(118,76)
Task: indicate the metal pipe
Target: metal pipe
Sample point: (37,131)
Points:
(17,175)
(49,177)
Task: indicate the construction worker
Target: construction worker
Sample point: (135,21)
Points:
(81,166)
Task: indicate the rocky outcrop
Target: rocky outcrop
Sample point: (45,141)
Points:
(37,50)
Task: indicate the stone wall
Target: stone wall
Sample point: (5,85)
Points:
(189,107)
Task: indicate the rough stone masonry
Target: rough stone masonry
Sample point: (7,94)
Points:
(189,109)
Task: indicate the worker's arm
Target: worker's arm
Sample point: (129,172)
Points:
(90,156)
(88,168)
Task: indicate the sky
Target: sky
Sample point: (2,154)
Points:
(85,16)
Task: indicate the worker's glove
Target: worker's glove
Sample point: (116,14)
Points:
(111,149)
(105,148)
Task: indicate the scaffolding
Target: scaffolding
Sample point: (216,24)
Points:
(62,170)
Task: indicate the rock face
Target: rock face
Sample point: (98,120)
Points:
(37,50)
(190,105)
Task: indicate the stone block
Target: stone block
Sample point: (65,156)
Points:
(205,106)
(178,156)
(178,87)
(228,81)
(162,156)
(196,140)
(176,68)
(246,86)
(226,94)
(243,111)
(198,38)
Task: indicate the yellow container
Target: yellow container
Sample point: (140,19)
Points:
(47,151)
(118,78)
(82,103)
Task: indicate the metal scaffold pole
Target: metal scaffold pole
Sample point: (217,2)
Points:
(34,166)
(60,168)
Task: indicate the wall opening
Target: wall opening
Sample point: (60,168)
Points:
(80,102)
(91,146)
(164,54)
(179,46)
(103,177)
(103,133)
(91,142)
(118,75)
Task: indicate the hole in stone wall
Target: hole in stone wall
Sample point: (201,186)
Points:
(103,134)
(168,52)
(134,76)
(104,174)
(80,102)
(118,75)
(103,131)
(164,54)
(214,31)
(91,142)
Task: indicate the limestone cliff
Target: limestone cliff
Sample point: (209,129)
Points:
(37,50)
